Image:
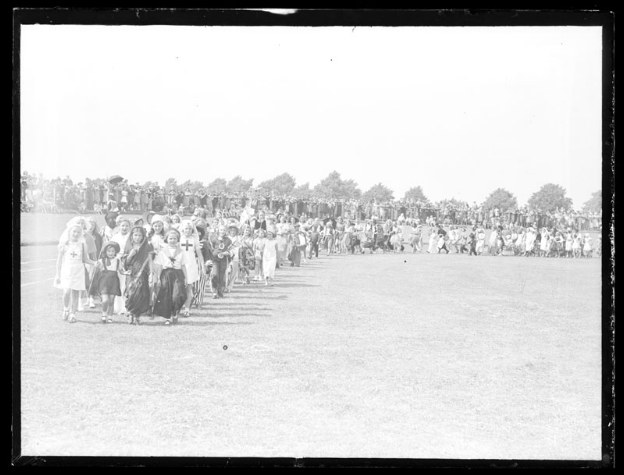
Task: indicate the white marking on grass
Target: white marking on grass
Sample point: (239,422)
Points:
(37,262)
(37,282)
(36,268)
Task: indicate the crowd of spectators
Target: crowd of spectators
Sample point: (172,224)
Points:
(101,195)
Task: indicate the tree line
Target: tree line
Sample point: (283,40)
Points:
(549,198)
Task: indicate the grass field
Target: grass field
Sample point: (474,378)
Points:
(396,355)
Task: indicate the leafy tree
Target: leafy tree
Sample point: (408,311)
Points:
(334,187)
(549,198)
(415,194)
(238,185)
(171,183)
(196,185)
(150,184)
(351,189)
(594,204)
(501,199)
(302,191)
(219,185)
(282,184)
(192,185)
(379,193)
(185,185)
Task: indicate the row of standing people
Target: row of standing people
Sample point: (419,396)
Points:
(516,241)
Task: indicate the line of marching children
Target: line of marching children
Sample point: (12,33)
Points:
(162,267)
(512,241)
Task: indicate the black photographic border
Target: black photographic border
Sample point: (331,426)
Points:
(333,17)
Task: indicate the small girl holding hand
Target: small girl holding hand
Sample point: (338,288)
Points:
(258,249)
(106,279)
(269,257)
(587,246)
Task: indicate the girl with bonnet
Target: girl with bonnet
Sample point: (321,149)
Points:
(156,235)
(122,237)
(189,242)
(70,268)
(176,221)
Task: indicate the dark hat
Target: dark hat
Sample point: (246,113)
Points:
(111,215)
(112,244)
(201,223)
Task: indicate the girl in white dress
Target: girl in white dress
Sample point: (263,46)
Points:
(70,269)
(587,247)
(157,233)
(568,244)
(122,237)
(493,240)
(545,243)
(520,242)
(576,246)
(269,257)
(258,249)
(282,239)
(480,241)
(512,241)
(529,241)
(189,243)
(433,241)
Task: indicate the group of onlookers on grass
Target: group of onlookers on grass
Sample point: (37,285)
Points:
(511,241)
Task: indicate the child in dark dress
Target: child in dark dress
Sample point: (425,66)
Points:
(106,279)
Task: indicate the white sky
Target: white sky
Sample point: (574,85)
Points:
(459,111)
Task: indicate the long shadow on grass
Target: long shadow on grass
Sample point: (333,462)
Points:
(281,282)
(267,296)
(159,321)
(185,323)
(234,311)
(236,306)
(289,277)
(287,285)
(267,313)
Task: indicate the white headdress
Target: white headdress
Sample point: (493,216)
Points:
(76,221)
